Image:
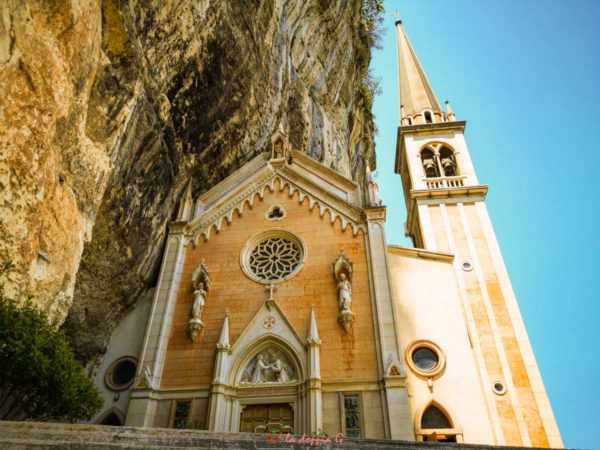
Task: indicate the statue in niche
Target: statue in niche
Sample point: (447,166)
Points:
(201,284)
(342,271)
(279,148)
(344,293)
(268,367)
(199,300)
(279,144)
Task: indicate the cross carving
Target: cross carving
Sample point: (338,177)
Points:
(271,287)
(269,322)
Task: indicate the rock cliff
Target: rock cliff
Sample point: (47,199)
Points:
(108,108)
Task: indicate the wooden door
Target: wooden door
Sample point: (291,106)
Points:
(261,418)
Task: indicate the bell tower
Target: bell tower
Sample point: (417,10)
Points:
(446,212)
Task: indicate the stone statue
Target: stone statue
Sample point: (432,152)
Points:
(279,149)
(279,369)
(259,375)
(344,293)
(199,300)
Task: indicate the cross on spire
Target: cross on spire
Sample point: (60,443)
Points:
(396,15)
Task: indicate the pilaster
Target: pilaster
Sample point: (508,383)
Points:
(142,405)
(397,416)
(313,344)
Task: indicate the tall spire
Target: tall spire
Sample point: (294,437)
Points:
(416,93)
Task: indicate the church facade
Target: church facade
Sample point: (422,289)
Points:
(280,306)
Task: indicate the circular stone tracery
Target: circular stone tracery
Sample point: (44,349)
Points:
(273,257)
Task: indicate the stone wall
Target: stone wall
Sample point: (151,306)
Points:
(107,109)
(28,435)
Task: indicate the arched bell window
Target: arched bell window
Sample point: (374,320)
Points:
(430,166)
(448,162)
(439,161)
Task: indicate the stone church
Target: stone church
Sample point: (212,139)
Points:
(280,305)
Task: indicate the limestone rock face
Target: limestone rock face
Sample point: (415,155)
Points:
(108,108)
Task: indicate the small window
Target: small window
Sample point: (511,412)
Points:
(430,166)
(352,415)
(121,373)
(275,212)
(428,117)
(181,415)
(425,359)
(499,388)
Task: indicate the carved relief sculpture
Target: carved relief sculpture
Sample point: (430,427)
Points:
(268,367)
(342,271)
(201,284)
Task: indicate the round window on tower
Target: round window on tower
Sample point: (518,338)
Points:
(121,373)
(273,256)
(425,358)
(499,388)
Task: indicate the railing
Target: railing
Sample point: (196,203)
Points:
(444,182)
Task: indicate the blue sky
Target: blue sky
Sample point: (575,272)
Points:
(525,76)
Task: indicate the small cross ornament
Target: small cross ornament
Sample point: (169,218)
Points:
(271,300)
(396,15)
(269,322)
(271,287)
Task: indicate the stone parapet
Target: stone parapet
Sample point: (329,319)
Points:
(31,435)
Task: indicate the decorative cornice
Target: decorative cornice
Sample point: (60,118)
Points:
(337,208)
(459,194)
(463,191)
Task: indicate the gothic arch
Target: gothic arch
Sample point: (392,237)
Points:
(114,416)
(245,355)
(455,429)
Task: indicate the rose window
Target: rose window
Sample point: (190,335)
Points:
(273,257)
